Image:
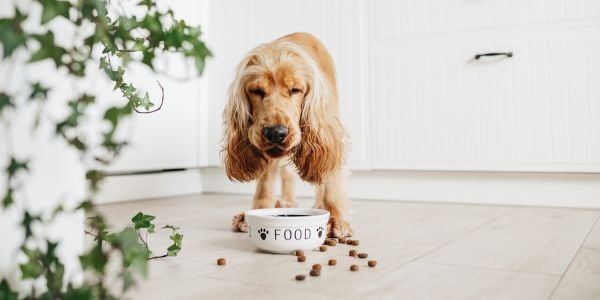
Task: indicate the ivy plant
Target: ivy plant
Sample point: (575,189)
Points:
(111,39)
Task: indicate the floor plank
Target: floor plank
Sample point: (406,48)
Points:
(582,280)
(540,240)
(593,239)
(430,281)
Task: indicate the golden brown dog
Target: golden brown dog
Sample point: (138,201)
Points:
(283,107)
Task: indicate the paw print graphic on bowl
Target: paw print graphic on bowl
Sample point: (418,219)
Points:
(263,233)
(320,231)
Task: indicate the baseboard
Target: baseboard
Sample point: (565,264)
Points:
(501,188)
(146,186)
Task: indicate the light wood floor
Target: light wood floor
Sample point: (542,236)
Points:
(425,251)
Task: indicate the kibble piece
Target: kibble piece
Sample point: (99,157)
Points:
(221,262)
(330,242)
(332,262)
(315,273)
(316,267)
(323,248)
(355,242)
(299,253)
(354,268)
(349,242)
(342,240)
(363,255)
(352,253)
(300,277)
(301,258)
(372,263)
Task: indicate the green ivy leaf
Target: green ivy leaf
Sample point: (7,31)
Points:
(48,49)
(38,91)
(177,239)
(12,36)
(94,177)
(5,101)
(28,220)
(140,220)
(145,102)
(32,268)
(15,165)
(54,8)
(94,259)
(79,293)
(8,199)
(6,293)
(135,254)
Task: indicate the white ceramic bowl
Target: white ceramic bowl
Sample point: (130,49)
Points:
(283,230)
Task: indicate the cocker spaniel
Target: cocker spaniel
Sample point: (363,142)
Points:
(282,108)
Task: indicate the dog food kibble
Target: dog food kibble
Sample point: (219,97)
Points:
(315,273)
(300,277)
(299,253)
(330,242)
(355,242)
(221,261)
(363,255)
(323,248)
(372,263)
(354,268)
(348,242)
(316,267)
(342,240)
(301,258)
(352,253)
(332,262)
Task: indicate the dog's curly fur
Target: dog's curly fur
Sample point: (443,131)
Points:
(290,82)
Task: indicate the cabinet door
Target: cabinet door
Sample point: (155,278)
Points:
(168,138)
(437,108)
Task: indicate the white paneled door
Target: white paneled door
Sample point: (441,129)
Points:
(436,107)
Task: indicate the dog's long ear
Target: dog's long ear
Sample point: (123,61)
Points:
(243,161)
(321,150)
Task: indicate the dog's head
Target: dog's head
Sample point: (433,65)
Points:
(280,103)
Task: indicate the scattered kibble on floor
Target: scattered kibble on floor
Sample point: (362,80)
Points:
(221,261)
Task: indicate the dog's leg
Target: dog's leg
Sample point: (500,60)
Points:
(263,196)
(332,197)
(287,189)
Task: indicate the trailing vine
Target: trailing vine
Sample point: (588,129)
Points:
(106,37)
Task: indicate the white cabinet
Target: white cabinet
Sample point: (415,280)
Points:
(437,108)
(169,138)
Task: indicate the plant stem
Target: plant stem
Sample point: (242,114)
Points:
(158,256)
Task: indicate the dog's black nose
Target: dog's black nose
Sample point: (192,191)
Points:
(275,134)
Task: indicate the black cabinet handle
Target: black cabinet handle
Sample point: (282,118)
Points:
(507,54)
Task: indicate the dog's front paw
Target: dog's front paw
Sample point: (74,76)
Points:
(337,228)
(285,204)
(239,223)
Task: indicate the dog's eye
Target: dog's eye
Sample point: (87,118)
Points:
(295,91)
(258,92)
